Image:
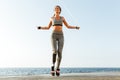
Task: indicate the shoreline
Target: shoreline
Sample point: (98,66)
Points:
(70,76)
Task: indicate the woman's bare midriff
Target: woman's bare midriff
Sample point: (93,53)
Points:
(57,28)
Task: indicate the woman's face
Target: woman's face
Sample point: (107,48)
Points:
(57,10)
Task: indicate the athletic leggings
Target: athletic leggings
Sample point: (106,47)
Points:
(57,46)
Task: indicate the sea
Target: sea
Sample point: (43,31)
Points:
(42,71)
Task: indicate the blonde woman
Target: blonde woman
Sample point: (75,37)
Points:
(57,38)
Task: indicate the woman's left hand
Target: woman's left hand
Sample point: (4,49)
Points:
(77,27)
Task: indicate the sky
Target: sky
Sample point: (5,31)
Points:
(96,44)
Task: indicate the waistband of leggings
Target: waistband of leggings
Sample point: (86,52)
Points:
(57,32)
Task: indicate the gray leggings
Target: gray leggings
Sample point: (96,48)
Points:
(57,46)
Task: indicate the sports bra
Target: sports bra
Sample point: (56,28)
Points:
(57,22)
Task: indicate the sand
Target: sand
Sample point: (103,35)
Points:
(65,78)
(82,76)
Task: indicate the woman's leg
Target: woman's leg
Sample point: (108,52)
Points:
(60,48)
(54,47)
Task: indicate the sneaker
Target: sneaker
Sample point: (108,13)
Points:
(52,71)
(58,72)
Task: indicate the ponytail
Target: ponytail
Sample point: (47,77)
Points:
(53,15)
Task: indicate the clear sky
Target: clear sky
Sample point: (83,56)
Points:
(96,44)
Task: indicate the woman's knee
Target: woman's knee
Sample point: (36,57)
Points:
(54,51)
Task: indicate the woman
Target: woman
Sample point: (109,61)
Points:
(57,38)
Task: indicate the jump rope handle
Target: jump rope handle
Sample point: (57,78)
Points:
(77,27)
(39,27)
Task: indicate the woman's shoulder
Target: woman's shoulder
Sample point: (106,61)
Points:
(54,17)
(51,18)
(62,17)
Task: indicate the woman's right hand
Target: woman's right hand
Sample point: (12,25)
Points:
(39,27)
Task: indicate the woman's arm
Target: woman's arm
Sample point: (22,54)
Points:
(46,27)
(68,26)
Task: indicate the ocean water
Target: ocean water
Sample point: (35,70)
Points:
(41,71)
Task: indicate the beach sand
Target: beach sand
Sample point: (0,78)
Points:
(65,78)
(83,76)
